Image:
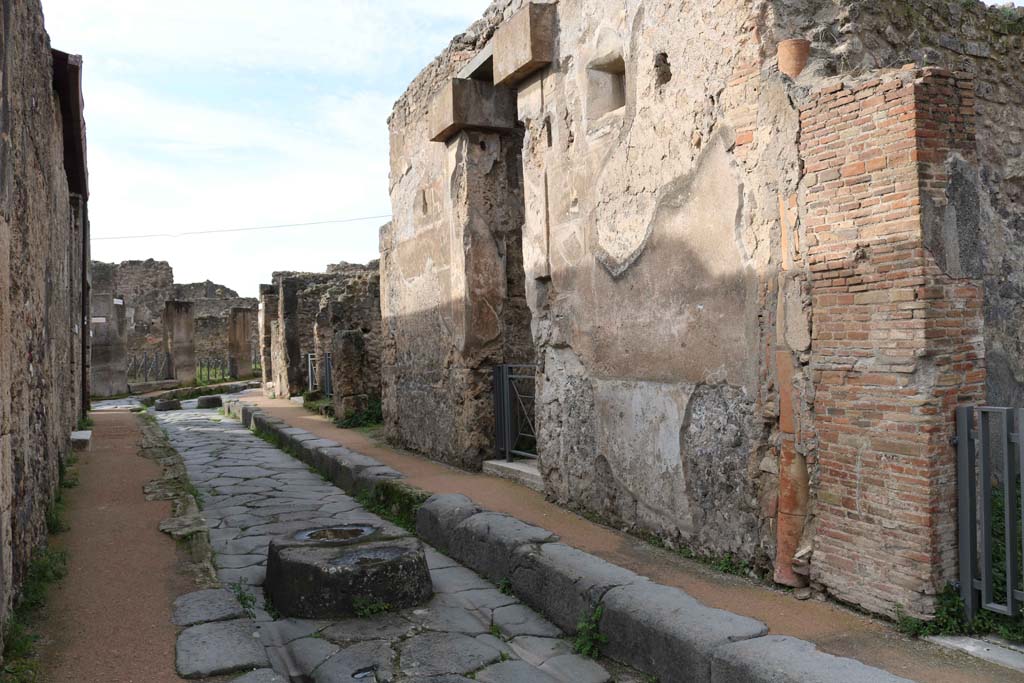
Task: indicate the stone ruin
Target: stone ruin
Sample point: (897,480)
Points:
(758,252)
(214,313)
(335,314)
(44,282)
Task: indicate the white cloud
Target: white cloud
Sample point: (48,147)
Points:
(229,113)
(340,36)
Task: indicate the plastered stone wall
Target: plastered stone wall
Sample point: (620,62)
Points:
(650,248)
(266,318)
(298,301)
(43,246)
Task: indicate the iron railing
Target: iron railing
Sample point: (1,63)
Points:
(149,367)
(515,396)
(210,370)
(990,462)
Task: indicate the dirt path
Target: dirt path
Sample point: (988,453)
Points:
(833,628)
(109,621)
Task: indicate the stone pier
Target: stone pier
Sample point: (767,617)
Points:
(109,366)
(240,343)
(179,339)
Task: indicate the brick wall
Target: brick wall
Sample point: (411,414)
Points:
(897,338)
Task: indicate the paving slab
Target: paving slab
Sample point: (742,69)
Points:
(219,648)
(205,606)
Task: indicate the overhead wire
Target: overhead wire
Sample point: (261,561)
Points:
(248,229)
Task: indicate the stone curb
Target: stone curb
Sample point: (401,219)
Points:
(656,629)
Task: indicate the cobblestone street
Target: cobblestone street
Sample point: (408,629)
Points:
(252,492)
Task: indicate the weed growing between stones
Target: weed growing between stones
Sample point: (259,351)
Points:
(495,631)
(394,502)
(246,599)
(371,416)
(589,638)
(368,607)
(505,586)
(84,424)
(191,490)
(55,515)
(20,664)
(950,619)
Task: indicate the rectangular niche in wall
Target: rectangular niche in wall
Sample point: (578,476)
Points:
(606,86)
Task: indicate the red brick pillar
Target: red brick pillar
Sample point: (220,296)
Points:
(897,339)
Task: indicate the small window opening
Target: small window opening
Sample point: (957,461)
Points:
(547,130)
(606,86)
(662,69)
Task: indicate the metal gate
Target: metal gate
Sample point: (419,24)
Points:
(514,401)
(318,374)
(990,461)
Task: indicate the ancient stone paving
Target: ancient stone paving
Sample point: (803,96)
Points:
(251,492)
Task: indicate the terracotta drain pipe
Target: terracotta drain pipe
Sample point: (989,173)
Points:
(793,481)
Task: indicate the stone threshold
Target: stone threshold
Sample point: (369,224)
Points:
(659,630)
(989,648)
(523,471)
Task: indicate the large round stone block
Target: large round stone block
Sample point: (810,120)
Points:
(345,571)
(209,402)
(168,404)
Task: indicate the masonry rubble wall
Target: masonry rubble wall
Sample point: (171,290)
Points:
(312,310)
(756,298)
(44,291)
(452,291)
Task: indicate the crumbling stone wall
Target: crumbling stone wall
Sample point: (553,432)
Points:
(452,293)
(348,326)
(267,317)
(43,283)
(756,291)
(311,310)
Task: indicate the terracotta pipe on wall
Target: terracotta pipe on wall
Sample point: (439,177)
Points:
(793,480)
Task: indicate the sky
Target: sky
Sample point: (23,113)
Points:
(213,114)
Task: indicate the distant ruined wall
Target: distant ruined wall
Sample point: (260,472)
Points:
(757,294)
(43,280)
(147,285)
(265,321)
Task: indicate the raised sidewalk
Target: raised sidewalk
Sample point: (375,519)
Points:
(622,574)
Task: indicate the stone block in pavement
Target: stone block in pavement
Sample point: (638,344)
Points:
(222,647)
(166,404)
(486,541)
(515,671)
(667,633)
(247,414)
(782,659)
(200,607)
(366,479)
(439,515)
(260,676)
(563,583)
(575,668)
(438,654)
(209,402)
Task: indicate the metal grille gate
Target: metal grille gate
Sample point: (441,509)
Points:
(319,375)
(514,402)
(990,452)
